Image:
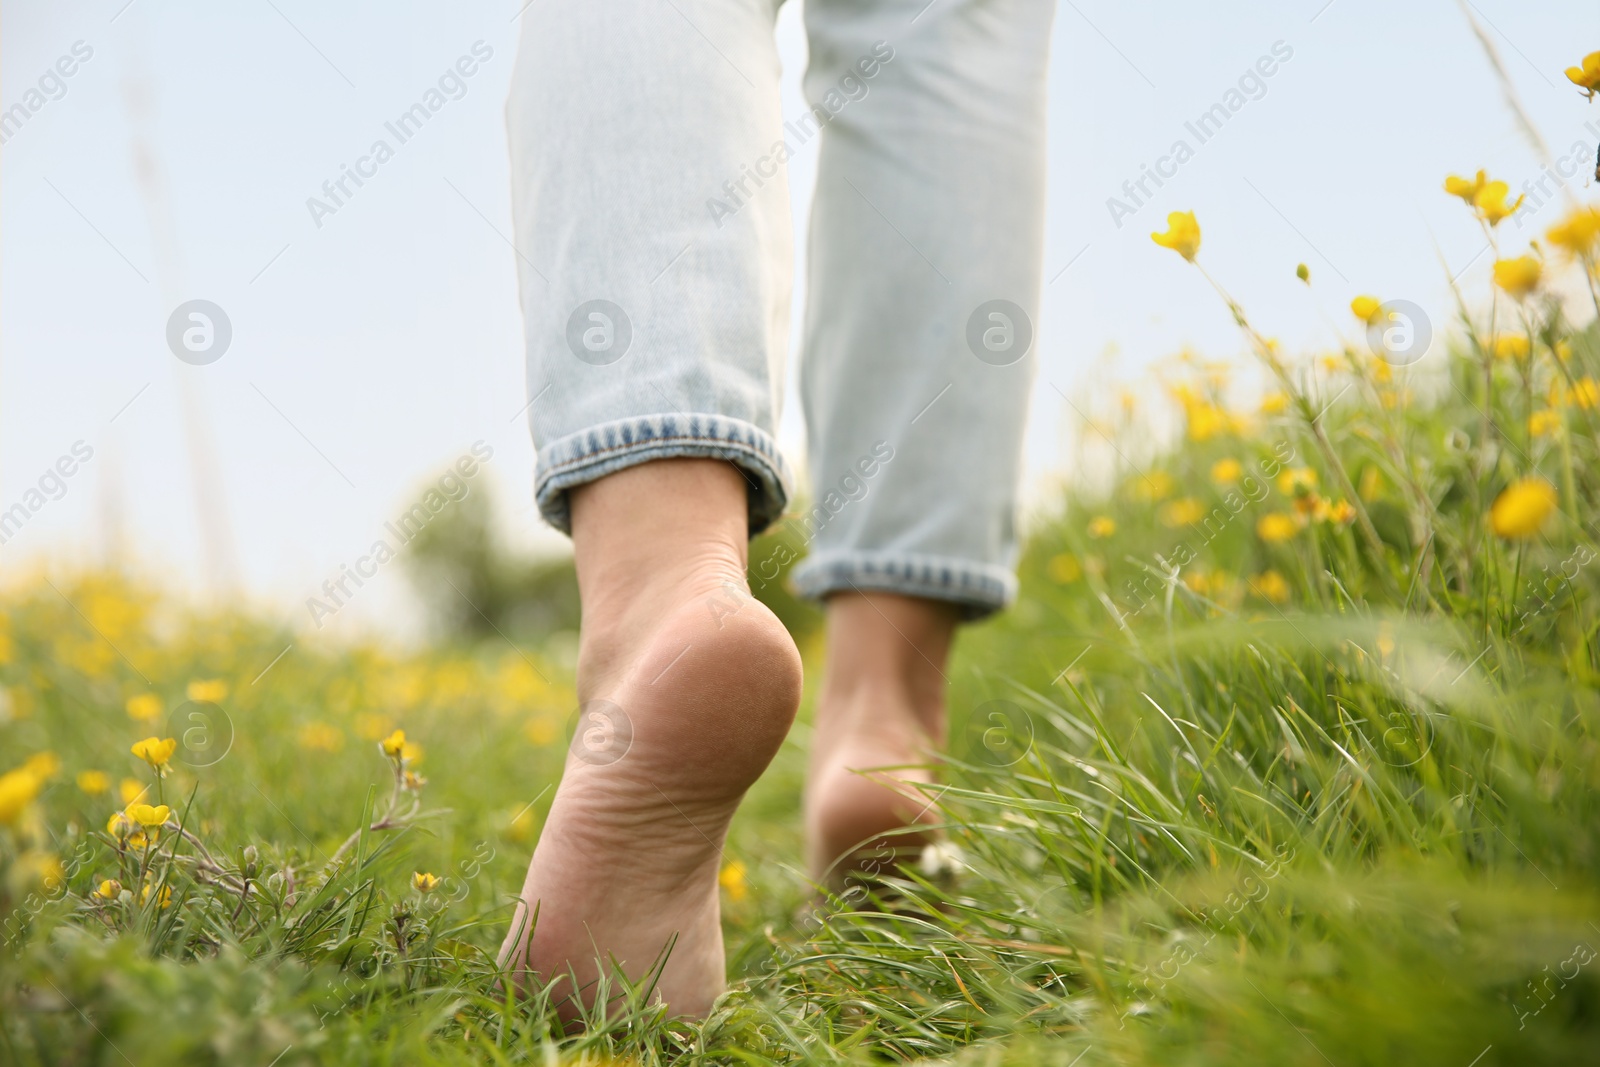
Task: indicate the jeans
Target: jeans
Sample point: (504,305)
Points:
(654,251)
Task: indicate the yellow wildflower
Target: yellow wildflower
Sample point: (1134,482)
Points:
(1371,484)
(207,690)
(1226,471)
(156,752)
(1543,423)
(1297,479)
(1512,346)
(1519,276)
(423,882)
(148,815)
(371,726)
(1366,308)
(131,789)
(1521,510)
(110,889)
(1102,526)
(413,781)
(42,765)
(163,896)
(1270,586)
(1579,233)
(1276,526)
(731,878)
(1466,188)
(1182,236)
(321,737)
(393,744)
(144,707)
(1184,512)
(1491,202)
(1585,393)
(1587,75)
(1157,485)
(17,790)
(1342,513)
(411,752)
(94,782)
(1064,568)
(119,825)
(1274,403)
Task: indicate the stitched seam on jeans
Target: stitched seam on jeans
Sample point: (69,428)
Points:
(738,446)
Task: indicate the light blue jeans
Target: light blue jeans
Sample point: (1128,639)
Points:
(654,248)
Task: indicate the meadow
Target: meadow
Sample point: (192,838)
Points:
(1289,753)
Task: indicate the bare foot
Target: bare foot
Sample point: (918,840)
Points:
(688,687)
(881,708)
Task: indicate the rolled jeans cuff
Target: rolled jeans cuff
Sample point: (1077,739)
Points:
(979,589)
(582,457)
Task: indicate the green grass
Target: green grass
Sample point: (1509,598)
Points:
(1213,797)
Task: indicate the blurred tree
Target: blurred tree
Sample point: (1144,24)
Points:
(476,588)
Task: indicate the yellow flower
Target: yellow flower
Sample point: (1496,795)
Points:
(411,752)
(156,752)
(42,765)
(1543,423)
(1579,233)
(1276,526)
(1511,346)
(119,825)
(1184,512)
(147,815)
(731,878)
(1226,471)
(1102,526)
(393,744)
(1274,403)
(424,882)
(1205,421)
(1371,484)
(207,690)
(1491,202)
(94,782)
(110,889)
(1366,308)
(144,707)
(1157,485)
(1297,479)
(1198,582)
(131,789)
(1341,514)
(1064,568)
(414,781)
(1585,393)
(1182,236)
(17,790)
(1270,586)
(1521,510)
(1519,276)
(1466,188)
(321,737)
(1587,76)
(163,896)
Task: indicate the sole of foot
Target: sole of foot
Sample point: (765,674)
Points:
(690,710)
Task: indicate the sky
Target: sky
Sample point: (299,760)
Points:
(370,352)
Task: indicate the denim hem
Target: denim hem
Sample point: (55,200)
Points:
(582,457)
(979,588)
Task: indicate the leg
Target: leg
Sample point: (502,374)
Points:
(926,242)
(654,257)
